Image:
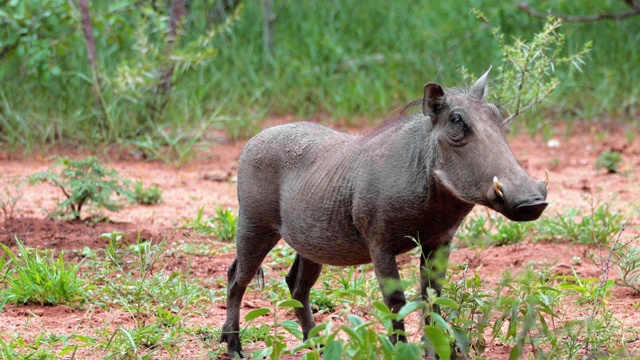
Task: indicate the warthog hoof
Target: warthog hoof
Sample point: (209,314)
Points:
(234,349)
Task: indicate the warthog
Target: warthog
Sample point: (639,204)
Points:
(343,199)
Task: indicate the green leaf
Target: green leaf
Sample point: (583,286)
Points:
(386,345)
(408,351)
(462,340)
(446,302)
(310,356)
(439,340)
(518,349)
(440,321)
(256,313)
(132,342)
(291,303)
(318,329)
(355,320)
(262,354)
(332,351)
(409,308)
(292,327)
(352,333)
(55,70)
(380,306)
(356,292)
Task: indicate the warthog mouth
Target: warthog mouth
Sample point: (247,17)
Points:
(529,211)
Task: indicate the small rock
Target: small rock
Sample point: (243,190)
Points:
(553,143)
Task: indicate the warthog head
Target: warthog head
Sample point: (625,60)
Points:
(473,160)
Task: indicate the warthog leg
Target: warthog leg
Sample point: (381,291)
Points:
(433,267)
(253,245)
(386,269)
(303,275)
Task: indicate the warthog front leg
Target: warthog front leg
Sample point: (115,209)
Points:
(433,267)
(303,275)
(386,269)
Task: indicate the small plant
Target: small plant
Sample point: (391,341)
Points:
(626,258)
(590,229)
(9,201)
(226,221)
(37,278)
(476,307)
(474,232)
(146,195)
(609,160)
(509,232)
(492,230)
(83,182)
(282,256)
(223,224)
(597,227)
(525,304)
(275,345)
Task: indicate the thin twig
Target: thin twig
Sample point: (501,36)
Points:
(585,18)
(607,267)
(520,111)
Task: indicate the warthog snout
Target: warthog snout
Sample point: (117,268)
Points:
(530,211)
(522,205)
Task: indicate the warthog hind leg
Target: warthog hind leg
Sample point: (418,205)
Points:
(253,245)
(303,275)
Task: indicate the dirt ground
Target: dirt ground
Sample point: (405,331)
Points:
(209,180)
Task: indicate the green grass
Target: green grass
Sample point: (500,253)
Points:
(146,195)
(597,226)
(221,225)
(536,306)
(345,59)
(36,277)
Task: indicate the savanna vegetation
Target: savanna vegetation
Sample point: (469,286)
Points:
(155,78)
(157,86)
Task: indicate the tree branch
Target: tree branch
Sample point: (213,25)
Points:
(268,29)
(92,56)
(178,9)
(7,49)
(586,18)
(520,111)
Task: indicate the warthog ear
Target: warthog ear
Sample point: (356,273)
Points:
(479,89)
(433,100)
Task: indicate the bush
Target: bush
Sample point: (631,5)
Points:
(609,160)
(83,182)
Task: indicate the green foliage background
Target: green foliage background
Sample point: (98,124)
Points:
(346,59)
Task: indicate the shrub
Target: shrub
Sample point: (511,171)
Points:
(609,160)
(83,182)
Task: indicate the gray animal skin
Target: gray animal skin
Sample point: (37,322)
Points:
(343,199)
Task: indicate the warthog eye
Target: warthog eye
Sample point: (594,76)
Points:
(458,128)
(456,119)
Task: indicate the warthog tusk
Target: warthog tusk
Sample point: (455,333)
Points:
(546,178)
(497,187)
